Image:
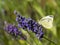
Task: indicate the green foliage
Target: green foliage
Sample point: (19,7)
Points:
(30,8)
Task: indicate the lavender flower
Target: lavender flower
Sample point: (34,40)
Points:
(13,30)
(29,24)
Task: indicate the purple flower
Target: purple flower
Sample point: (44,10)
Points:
(29,24)
(13,30)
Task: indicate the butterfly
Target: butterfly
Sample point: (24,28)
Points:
(47,21)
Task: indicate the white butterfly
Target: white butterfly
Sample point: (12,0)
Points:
(47,21)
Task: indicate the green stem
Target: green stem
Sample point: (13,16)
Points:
(49,40)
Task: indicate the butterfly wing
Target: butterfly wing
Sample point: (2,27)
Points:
(47,22)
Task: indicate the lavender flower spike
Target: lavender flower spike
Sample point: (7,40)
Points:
(13,30)
(29,24)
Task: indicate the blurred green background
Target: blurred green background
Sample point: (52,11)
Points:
(36,9)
